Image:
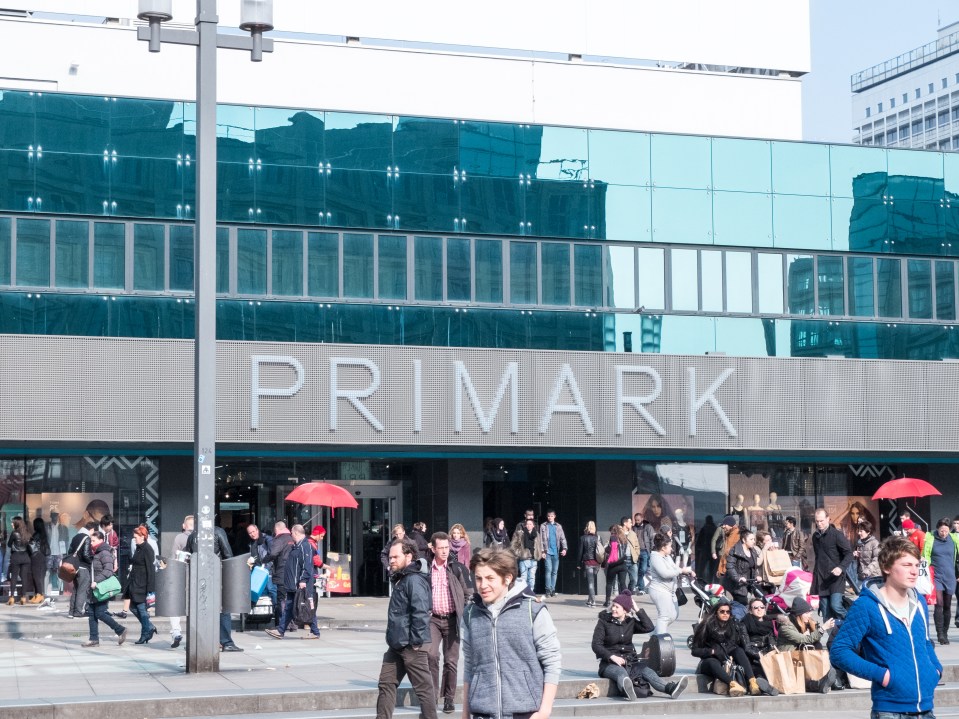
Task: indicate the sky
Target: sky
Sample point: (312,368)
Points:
(851,35)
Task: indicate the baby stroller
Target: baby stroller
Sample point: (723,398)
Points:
(706,597)
(796,584)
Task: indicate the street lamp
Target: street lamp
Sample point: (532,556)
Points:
(203,611)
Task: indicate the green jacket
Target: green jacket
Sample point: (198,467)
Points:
(791,638)
(927,546)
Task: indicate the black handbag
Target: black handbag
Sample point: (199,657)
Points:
(304,609)
(681,597)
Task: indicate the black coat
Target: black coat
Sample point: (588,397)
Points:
(740,565)
(832,550)
(280,549)
(142,576)
(612,638)
(408,616)
(587,549)
(760,632)
(80,544)
(718,639)
(422,545)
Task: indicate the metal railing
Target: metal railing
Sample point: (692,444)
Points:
(900,64)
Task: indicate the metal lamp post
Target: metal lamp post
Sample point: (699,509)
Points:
(203,611)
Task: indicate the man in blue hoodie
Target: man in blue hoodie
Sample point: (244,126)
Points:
(885,638)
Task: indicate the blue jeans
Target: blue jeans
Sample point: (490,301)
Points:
(527,572)
(895,715)
(641,571)
(632,569)
(140,612)
(552,567)
(287,616)
(616,674)
(226,628)
(831,607)
(100,612)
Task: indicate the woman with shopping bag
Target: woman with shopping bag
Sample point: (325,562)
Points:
(799,634)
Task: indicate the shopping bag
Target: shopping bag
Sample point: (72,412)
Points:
(304,610)
(107,589)
(815,662)
(782,672)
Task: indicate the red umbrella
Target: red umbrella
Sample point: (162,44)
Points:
(323,494)
(905,487)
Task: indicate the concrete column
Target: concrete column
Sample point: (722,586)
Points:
(614,499)
(176,498)
(465,497)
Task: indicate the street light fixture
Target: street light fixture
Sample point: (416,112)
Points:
(203,611)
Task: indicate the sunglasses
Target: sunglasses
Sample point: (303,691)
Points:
(722,611)
(757,608)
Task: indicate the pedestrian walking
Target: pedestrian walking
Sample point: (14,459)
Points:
(644,533)
(223,550)
(742,571)
(275,560)
(794,542)
(179,552)
(867,553)
(496,535)
(141,582)
(663,575)
(553,539)
(832,555)
(528,548)
(39,550)
(407,632)
(885,638)
(511,653)
(298,575)
(81,548)
(588,562)
(449,583)
(941,551)
(632,553)
(20,566)
(101,569)
(615,563)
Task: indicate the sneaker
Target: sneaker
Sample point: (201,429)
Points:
(448,707)
(275,633)
(628,689)
(674,689)
(176,641)
(122,637)
(231,648)
(91,643)
(121,614)
(311,636)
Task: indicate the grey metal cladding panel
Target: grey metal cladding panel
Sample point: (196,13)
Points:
(709,430)
(771,413)
(834,401)
(942,403)
(637,431)
(895,406)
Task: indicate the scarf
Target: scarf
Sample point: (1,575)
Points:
(462,549)
(499,535)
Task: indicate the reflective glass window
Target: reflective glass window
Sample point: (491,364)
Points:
(622,277)
(950,161)
(684,276)
(918,165)
(831,281)
(489,271)
(5,245)
(354,141)
(945,290)
(800,168)
(588,270)
(235,132)
(625,212)
(287,261)
(522,273)
(919,278)
(222,260)
(856,171)
(619,158)
(323,264)
(73,252)
(251,262)
(563,153)
(391,260)
(427,145)
(149,257)
(741,165)
(428,268)
(889,286)
(497,149)
(799,274)
(743,219)
(681,161)
(682,216)
(357,265)
(555,273)
(770,283)
(711,280)
(861,288)
(109,255)
(652,277)
(458,265)
(289,137)
(802,222)
(181,257)
(739,282)
(33,253)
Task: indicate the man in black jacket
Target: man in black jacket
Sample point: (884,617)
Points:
(298,574)
(407,632)
(82,550)
(449,581)
(832,555)
(280,548)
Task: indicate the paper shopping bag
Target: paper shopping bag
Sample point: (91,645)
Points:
(783,673)
(815,663)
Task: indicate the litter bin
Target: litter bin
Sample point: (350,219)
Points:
(235,596)
(171,584)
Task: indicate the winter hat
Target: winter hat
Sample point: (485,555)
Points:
(730,520)
(800,606)
(625,600)
(317,531)
(908,524)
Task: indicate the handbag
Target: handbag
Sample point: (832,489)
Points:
(600,550)
(304,610)
(107,589)
(67,571)
(681,597)
(782,672)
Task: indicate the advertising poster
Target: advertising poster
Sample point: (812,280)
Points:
(338,580)
(66,512)
(847,512)
(658,509)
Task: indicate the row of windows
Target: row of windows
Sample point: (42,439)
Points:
(931,89)
(279,262)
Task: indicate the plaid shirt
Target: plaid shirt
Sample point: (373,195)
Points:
(442,599)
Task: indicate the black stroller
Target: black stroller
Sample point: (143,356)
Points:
(706,597)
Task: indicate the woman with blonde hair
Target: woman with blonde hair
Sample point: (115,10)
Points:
(587,560)
(460,544)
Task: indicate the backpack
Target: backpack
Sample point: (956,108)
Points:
(600,550)
(613,551)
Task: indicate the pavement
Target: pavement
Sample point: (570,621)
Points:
(45,674)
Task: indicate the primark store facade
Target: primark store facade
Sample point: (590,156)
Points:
(459,320)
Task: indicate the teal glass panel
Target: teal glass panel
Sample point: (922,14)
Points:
(557,209)
(741,165)
(428,268)
(146,128)
(289,137)
(800,168)
(915,227)
(235,132)
(5,246)
(357,265)
(77,124)
(861,287)
(831,285)
(682,216)
(426,202)
(522,273)
(426,145)
(950,169)
(556,284)
(711,280)
(621,266)
(181,258)
(945,290)
(682,335)
(564,154)
(148,187)
(359,198)
(354,141)
(149,257)
(287,260)
(17,119)
(73,184)
(588,270)
(619,158)
(889,287)
(739,282)
(489,270)
(251,262)
(72,244)
(652,277)
(323,264)
(770,287)
(919,288)
(743,219)
(802,222)
(857,171)
(495,149)
(458,270)
(625,213)
(235,197)
(109,255)
(392,267)
(288,195)
(800,284)
(684,275)
(33,253)
(681,161)
(223,260)
(490,205)
(17,179)
(744,336)
(917,169)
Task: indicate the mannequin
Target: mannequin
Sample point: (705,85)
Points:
(682,539)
